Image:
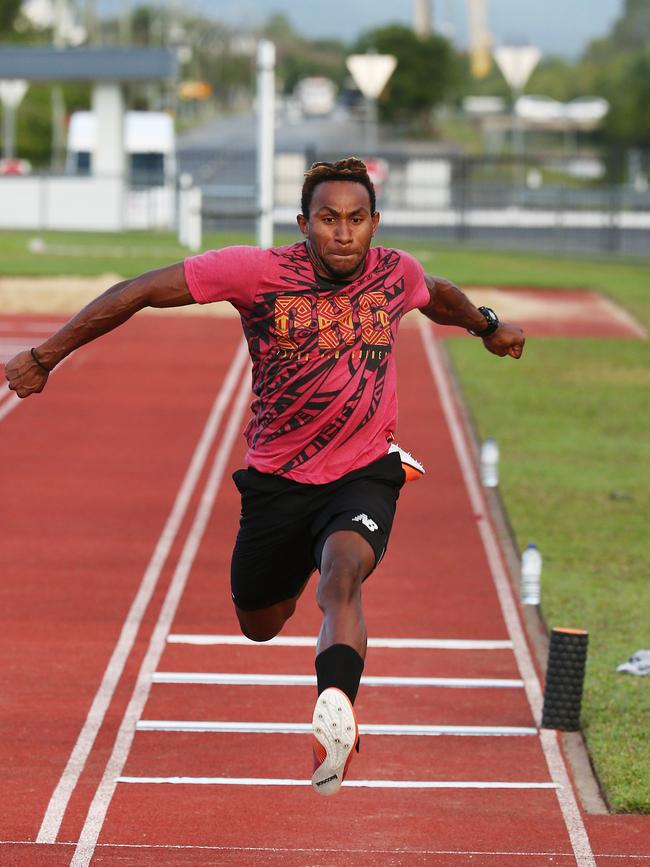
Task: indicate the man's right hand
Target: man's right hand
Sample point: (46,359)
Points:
(24,376)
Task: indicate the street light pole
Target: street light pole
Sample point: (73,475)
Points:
(265,141)
(371,73)
(516,63)
(12,92)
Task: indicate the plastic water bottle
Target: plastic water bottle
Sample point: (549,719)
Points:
(490,463)
(531,573)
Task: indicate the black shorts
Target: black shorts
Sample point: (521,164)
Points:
(284,525)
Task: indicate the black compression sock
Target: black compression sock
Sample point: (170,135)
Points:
(341,666)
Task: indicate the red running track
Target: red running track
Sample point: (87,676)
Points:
(131,729)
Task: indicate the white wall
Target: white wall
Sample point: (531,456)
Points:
(82,203)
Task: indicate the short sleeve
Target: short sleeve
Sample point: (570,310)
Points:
(230,274)
(415,287)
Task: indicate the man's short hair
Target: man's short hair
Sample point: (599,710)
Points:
(350,169)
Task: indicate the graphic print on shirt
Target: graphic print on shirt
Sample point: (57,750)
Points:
(314,347)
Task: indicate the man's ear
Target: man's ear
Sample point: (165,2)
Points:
(303,224)
(375,222)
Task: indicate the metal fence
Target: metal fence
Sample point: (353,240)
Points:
(468,200)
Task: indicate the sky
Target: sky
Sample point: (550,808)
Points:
(559,27)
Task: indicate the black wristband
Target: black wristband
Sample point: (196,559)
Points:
(492,321)
(40,363)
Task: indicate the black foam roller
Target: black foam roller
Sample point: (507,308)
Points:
(565,676)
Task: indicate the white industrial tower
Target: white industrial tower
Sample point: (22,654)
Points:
(422,17)
(480,42)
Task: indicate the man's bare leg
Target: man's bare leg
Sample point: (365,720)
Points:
(347,559)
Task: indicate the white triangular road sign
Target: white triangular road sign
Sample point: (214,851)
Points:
(517,62)
(371,72)
(12,91)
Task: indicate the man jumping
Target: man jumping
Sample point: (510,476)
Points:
(323,472)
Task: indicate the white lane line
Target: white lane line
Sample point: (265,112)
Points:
(358,784)
(104,794)
(70,776)
(310,641)
(290,728)
(460,853)
(238,679)
(16,343)
(566,798)
(44,328)
(8,401)
(10,346)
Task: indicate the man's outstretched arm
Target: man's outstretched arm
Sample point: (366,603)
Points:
(449,306)
(28,371)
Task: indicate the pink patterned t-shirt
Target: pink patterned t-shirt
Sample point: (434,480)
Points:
(323,366)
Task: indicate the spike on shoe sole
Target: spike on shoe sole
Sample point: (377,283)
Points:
(335,736)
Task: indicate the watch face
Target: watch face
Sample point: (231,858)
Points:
(491,319)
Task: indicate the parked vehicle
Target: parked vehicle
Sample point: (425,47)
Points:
(316,96)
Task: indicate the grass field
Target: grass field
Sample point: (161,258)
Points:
(571,420)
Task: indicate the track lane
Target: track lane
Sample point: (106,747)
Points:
(154,811)
(382,662)
(403,820)
(68,590)
(427,604)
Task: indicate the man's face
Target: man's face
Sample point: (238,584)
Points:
(339,229)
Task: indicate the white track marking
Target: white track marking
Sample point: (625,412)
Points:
(43,329)
(460,853)
(63,791)
(568,805)
(357,784)
(101,802)
(309,641)
(17,344)
(10,402)
(290,728)
(237,679)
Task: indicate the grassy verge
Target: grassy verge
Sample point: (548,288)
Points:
(572,422)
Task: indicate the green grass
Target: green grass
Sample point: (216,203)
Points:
(94,253)
(571,419)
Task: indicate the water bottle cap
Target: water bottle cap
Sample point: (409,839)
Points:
(531,545)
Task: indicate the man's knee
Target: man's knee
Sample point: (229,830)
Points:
(264,624)
(347,559)
(342,574)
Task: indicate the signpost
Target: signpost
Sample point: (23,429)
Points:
(265,141)
(12,92)
(516,63)
(371,73)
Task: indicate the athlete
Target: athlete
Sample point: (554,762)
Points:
(323,473)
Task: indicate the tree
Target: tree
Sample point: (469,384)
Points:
(632,30)
(627,86)
(427,72)
(8,13)
(619,69)
(298,57)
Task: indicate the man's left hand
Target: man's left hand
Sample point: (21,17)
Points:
(506,340)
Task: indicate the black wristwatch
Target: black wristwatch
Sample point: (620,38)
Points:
(492,323)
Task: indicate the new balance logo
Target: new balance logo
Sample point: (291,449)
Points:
(367,522)
(327,780)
